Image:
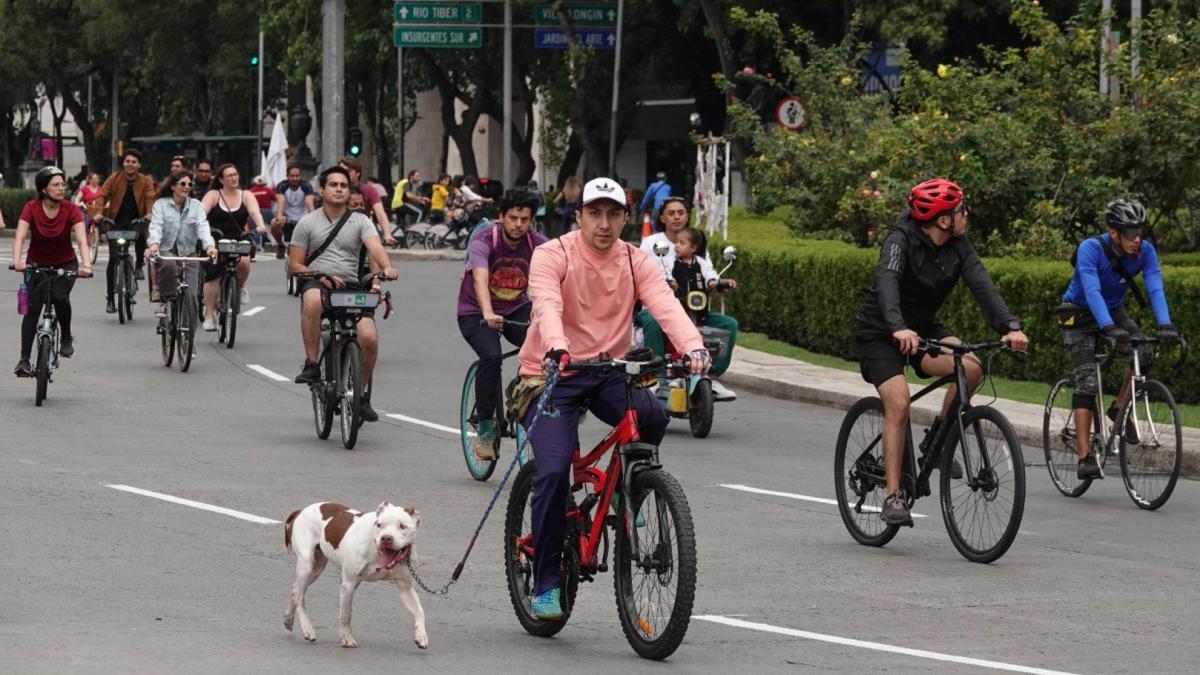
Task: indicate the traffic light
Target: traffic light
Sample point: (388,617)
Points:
(354,142)
(254,60)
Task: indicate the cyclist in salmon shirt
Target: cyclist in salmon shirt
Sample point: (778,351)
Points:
(583,286)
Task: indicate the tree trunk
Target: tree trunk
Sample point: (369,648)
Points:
(461,133)
(383,150)
(570,163)
(595,158)
(716,19)
(97,157)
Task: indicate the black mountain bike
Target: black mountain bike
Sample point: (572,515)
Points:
(125,281)
(1149,467)
(46,341)
(177,330)
(229,302)
(982,510)
(341,388)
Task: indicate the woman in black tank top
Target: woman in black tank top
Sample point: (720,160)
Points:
(231,211)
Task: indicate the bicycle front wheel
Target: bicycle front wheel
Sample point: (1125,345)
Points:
(1151,468)
(42,370)
(519,558)
(130,290)
(656,584)
(350,390)
(233,305)
(93,239)
(700,409)
(468,425)
(858,473)
(185,329)
(1060,438)
(983,509)
(121,292)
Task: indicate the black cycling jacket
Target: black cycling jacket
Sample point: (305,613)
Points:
(914,277)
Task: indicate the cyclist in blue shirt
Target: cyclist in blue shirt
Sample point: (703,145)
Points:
(1093,304)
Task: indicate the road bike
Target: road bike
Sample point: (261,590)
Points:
(1150,467)
(982,509)
(340,389)
(46,340)
(655,543)
(125,284)
(177,330)
(229,302)
(507,426)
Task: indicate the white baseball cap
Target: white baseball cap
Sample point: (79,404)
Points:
(602,188)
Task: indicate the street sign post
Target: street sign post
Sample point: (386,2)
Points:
(581,13)
(438,37)
(438,12)
(556,38)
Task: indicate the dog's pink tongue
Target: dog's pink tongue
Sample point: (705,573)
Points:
(387,558)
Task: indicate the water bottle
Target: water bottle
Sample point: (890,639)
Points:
(22,299)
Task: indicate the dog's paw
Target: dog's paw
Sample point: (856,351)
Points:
(348,641)
(309,635)
(421,639)
(287,625)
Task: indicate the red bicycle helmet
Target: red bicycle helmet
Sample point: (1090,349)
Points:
(930,198)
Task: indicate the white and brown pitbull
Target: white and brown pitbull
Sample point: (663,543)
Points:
(367,547)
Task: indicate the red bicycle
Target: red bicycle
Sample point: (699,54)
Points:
(655,560)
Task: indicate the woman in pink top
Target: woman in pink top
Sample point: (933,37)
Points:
(583,286)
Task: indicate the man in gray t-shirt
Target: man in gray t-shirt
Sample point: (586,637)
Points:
(340,261)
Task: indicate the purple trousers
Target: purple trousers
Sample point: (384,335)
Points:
(554,441)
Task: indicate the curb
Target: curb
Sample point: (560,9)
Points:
(817,385)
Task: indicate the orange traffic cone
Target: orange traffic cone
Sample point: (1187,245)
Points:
(647,230)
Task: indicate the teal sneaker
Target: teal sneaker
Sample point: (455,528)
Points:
(546,606)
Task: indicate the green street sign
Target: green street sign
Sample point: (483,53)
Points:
(582,14)
(449,38)
(438,12)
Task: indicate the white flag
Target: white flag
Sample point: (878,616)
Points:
(275,165)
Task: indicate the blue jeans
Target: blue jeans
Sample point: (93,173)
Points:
(554,441)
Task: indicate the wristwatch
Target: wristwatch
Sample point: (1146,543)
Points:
(1013,325)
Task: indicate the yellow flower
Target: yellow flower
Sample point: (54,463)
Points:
(874,175)
(1172,39)
(943,71)
(962,157)
(847,81)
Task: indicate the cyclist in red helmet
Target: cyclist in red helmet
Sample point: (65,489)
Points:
(921,261)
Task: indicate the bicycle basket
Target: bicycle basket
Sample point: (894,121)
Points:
(351,300)
(234,247)
(716,340)
(127,235)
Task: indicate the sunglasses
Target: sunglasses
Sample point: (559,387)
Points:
(184,183)
(1132,233)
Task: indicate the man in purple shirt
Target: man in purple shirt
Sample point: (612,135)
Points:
(494,299)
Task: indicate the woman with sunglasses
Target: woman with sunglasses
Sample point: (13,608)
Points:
(177,224)
(230,211)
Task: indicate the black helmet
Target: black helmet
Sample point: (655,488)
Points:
(1123,215)
(43,178)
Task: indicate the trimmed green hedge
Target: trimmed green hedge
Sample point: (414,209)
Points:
(11,203)
(809,292)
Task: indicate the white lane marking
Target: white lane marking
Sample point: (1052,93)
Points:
(431,425)
(792,495)
(877,646)
(266,372)
(197,505)
(254,310)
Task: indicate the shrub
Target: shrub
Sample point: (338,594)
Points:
(11,203)
(808,294)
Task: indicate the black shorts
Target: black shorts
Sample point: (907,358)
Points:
(879,358)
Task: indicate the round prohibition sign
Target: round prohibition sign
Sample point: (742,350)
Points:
(790,113)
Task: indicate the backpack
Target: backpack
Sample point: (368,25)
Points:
(1112,257)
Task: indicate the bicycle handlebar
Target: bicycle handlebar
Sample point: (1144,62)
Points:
(603,365)
(961,348)
(1137,341)
(49,270)
(509,322)
(179,258)
(317,276)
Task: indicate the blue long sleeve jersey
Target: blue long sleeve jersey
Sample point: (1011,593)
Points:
(1097,286)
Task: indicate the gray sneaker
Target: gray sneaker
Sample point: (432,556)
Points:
(895,510)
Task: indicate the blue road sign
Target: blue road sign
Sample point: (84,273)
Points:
(556,38)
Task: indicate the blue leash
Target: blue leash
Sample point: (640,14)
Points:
(542,403)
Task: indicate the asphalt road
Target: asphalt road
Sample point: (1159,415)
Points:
(96,579)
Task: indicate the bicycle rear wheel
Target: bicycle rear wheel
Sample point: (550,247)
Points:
(983,509)
(858,474)
(1151,468)
(655,585)
(222,313)
(350,390)
(322,410)
(468,425)
(519,557)
(1059,437)
(166,332)
(233,306)
(42,370)
(185,329)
